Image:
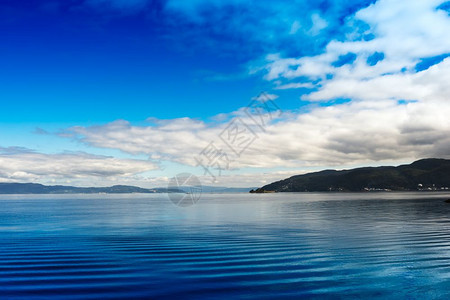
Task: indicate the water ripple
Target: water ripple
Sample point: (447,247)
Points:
(283,246)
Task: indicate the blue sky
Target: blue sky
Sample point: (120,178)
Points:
(139,88)
(167,60)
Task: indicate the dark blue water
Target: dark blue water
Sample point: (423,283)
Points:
(386,246)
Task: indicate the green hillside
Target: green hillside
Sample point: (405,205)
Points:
(425,174)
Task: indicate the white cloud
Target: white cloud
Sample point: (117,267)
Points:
(404,31)
(431,84)
(25,165)
(358,132)
(167,139)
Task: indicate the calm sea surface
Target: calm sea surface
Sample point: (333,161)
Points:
(380,245)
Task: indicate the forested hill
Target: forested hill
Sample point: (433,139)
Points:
(425,174)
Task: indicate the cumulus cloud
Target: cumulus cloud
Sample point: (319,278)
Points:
(398,33)
(357,132)
(25,165)
(166,140)
(428,85)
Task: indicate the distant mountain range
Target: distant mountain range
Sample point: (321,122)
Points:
(426,175)
(34,188)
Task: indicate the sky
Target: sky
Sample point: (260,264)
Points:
(239,93)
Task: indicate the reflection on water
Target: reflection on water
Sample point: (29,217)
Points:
(387,245)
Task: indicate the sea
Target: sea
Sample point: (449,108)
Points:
(385,245)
